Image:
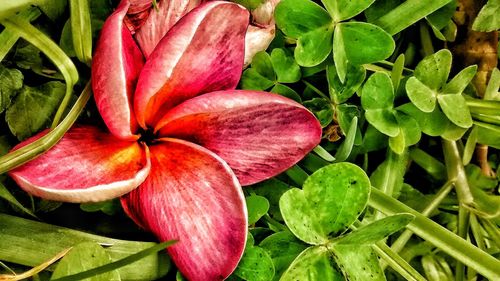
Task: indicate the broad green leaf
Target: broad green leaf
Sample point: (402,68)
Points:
(297,17)
(283,247)
(28,57)
(286,92)
(433,70)
(341,91)
(407,13)
(255,265)
(33,108)
(380,8)
(441,17)
(460,81)
(6,195)
(378,92)
(345,148)
(364,42)
(339,54)
(491,92)
(358,262)
(287,70)
(453,132)
(11,80)
(345,9)
(331,200)
(432,124)
(66,40)
(372,233)
(272,190)
(261,62)
(322,109)
(455,108)
(423,97)
(384,121)
(251,79)
(257,206)
(409,133)
(314,46)
(83,257)
(313,264)
(488,18)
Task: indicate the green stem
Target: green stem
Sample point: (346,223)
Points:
(495,120)
(463,230)
(26,153)
(9,37)
(397,263)
(297,174)
(487,107)
(376,68)
(456,172)
(399,244)
(31,34)
(316,90)
(439,236)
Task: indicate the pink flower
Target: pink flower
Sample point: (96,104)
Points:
(181,140)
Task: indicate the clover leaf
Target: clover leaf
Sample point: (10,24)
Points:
(315,263)
(428,87)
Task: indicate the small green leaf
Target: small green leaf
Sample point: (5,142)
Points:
(272,190)
(345,148)
(364,42)
(455,108)
(314,263)
(257,207)
(33,108)
(460,81)
(420,95)
(488,18)
(491,92)
(433,70)
(255,265)
(376,231)
(297,17)
(441,17)
(432,124)
(332,199)
(322,109)
(397,71)
(453,132)
(11,80)
(286,92)
(6,195)
(251,79)
(345,114)
(358,262)
(409,133)
(261,62)
(109,207)
(287,70)
(345,9)
(283,247)
(314,47)
(378,92)
(384,121)
(339,54)
(83,257)
(340,92)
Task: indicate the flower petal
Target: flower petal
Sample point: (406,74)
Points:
(202,53)
(86,165)
(192,195)
(160,21)
(258,134)
(115,68)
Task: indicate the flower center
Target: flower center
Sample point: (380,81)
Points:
(148,136)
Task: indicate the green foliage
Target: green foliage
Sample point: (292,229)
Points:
(42,103)
(488,18)
(11,80)
(257,207)
(314,263)
(255,264)
(82,257)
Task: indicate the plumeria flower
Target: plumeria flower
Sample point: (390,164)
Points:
(180,140)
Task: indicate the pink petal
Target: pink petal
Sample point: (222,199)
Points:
(192,195)
(258,134)
(115,68)
(86,165)
(160,21)
(202,53)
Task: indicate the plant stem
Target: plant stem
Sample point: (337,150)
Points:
(456,172)
(399,244)
(397,263)
(18,157)
(439,236)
